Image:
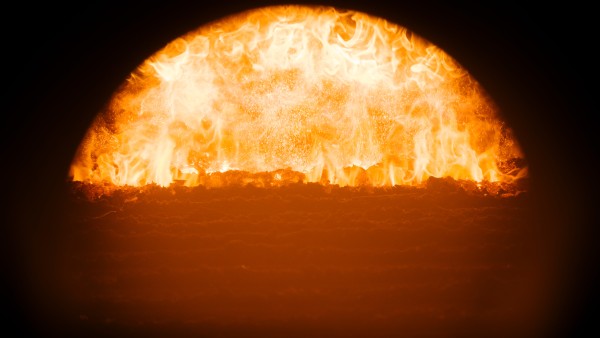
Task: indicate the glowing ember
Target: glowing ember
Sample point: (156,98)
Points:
(331,95)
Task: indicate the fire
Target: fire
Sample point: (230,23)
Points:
(314,93)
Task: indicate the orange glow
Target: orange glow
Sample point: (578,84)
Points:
(312,94)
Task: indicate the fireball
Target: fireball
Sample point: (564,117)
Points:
(318,94)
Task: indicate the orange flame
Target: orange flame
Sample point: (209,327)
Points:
(336,95)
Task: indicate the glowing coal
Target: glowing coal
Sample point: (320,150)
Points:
(359,261)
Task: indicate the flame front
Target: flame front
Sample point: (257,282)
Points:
(339,96)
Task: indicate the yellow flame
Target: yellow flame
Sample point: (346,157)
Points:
(337,95)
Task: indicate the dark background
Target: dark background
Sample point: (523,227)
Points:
(61,63)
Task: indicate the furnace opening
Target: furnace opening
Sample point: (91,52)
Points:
(291,94)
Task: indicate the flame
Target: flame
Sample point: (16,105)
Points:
(338,96)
